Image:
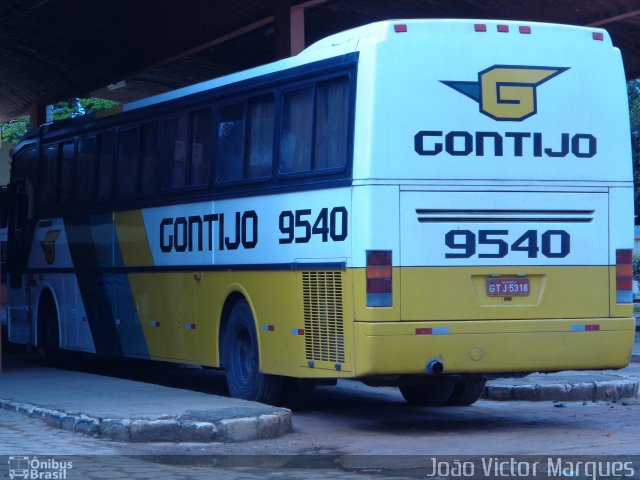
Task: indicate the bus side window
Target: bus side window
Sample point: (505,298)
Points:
(67,164)
(105,165)
(174,152)
(49,177)
(200,169)
(297,131)
(260,134)
(87,169)
(128,165)
(245,139)
(230,146)
(332,124)
(149,146)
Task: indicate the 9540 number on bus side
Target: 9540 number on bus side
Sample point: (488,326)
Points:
(499,243)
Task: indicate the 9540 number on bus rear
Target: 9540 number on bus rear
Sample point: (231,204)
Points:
(500,243)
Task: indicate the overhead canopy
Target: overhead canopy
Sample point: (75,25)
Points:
(125,50)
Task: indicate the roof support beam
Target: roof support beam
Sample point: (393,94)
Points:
(617,18)
(37,115)
(289,26)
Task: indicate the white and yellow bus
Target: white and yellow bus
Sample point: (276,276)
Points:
(421,203)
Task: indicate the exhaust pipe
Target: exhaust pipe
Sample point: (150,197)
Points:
(435,366)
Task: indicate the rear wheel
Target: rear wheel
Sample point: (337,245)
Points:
(433,395)
(242,360)
(466,392)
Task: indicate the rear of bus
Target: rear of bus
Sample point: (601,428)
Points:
(493,200)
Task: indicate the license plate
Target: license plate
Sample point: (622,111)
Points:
(508,286)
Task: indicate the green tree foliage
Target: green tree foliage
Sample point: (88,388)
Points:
(89,105)
(636,267)
(13,130)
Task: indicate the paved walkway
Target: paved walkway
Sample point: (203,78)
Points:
(127,410)
(133,411)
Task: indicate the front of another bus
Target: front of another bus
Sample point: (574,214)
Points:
(493,194)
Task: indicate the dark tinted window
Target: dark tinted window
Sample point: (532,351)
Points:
(67,170)
(87,169)
(105,165)
(128,163)
(150,158)
(332,124)
(260,136)
(315,127)
(230,151)
(200,169)
(297,131)
(23,166)
(49,176)
(174,151)
(245,139)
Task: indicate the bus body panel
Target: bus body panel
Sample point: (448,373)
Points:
(433,119)
(477,160)
(509,346)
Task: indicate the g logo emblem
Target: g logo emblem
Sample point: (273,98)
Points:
(507,92)
(48,246)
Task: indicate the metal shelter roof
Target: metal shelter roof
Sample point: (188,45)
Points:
(125,50)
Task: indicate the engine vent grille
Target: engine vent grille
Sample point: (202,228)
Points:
(323,316)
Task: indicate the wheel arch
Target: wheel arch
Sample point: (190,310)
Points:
(45,295)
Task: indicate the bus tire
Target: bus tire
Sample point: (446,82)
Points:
(242,360)
(48,332)
(466,393)
(432,394)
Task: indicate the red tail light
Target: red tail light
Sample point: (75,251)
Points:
(379,278)
(624,276)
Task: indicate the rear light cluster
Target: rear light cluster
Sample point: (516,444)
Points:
(524,29)
(624,276)
(379,281)
(482,27)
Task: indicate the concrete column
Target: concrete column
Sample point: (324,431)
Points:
(289,26)
(37,115)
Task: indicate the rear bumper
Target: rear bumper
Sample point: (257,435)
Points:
(394,348)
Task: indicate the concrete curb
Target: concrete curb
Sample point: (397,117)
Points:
(165,429)
(608,391)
